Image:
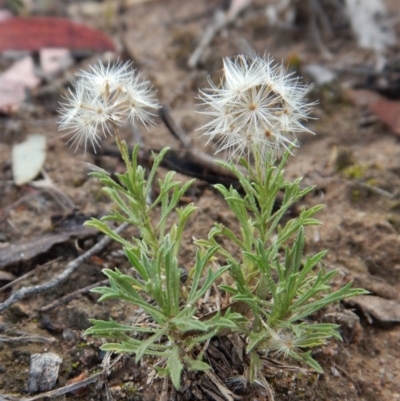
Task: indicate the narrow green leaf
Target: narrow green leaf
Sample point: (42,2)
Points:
(156,162)
(103,328)
(255,366)
(104,228)
(255,339)
(131,348)
(312,362)
(136,263)
(189,324)
(175,367)
(144,345)
(196,365)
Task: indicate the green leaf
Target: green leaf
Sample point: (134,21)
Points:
(156,162)
(183,216)
(144,345)
(312,362)
(255,339)
(196,365)
(105,229)
(342,293)
(102,328)
(201,262)
(175,367)
(131,346)
(162,372)
(255,366)
(173,281)
(189,323)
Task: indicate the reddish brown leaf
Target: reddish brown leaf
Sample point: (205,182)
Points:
(77,379)
(388,111)
(34,33)
(98,260)
(363,97)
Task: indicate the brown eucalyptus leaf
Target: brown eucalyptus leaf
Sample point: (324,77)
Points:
(35,33)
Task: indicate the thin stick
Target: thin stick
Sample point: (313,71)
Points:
(320,13)
(197,155)
(27,339)
(66,389)
(54,393)
(70,268)
(31,273)
(221,20)
(372,189)
(316,34)
(69,297)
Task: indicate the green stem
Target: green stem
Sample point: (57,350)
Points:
(147,226)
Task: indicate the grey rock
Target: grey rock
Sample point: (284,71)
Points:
(43,372)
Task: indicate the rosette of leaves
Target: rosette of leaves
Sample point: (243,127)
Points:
(274,288)
(280,285)
(175,332)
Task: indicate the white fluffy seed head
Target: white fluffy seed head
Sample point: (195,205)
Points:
(105,95)
(258,107)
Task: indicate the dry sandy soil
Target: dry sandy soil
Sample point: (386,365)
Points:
(355,169)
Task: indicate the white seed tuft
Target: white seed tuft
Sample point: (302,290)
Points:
(105,95)
(257,107)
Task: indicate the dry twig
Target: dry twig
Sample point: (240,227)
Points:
(204,159)
(30,273)
(69,297)
(26,339)
(314,30)
(221,20)
(70,268)
(54,393)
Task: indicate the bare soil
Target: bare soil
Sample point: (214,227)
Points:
(361,224)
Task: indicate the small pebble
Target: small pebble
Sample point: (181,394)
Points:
(43,372)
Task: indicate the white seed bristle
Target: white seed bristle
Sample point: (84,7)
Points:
(104,95)
(257,107)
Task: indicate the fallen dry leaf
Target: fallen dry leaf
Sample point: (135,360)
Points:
(52,61)
(28,249)
(377,310)
(13,82)
(28,158)
(35,33)
(363,97)
(12,94)
(387,111)
(23,72)
(77,379)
